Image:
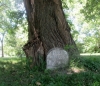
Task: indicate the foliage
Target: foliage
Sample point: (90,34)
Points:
(15,25)
(91,17)
(84,16)
(14,43)
(91,9)
(15,73)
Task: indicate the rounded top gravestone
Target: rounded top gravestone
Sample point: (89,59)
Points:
(57,58)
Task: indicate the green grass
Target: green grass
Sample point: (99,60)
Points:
(82,72)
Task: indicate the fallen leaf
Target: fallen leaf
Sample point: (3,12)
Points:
(38,83)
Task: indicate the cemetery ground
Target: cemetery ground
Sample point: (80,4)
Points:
(84,71)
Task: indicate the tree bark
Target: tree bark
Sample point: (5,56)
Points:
(2,40)
(47,29)
(2,49)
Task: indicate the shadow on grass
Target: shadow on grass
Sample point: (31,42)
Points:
(14,73)
(91,62)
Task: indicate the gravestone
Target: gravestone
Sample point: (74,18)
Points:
(57,58)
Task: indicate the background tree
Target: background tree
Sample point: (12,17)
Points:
(84,15)
(13,22)
(2,35)
(3,24)
(91,16)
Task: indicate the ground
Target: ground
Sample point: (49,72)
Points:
(82,72)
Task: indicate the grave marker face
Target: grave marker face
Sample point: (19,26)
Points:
(57,58)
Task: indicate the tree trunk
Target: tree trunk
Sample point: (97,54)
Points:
(2,49)
(2,40)
(47,29)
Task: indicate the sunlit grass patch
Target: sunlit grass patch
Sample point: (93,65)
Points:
(90,54)
(77,69)
(12,60)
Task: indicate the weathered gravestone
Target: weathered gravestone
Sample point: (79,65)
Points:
(57,58)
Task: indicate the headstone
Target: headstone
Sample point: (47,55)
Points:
(57,58)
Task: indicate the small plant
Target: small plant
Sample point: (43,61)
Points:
(39,67)
(67,47)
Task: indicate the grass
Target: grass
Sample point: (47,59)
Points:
(82,72)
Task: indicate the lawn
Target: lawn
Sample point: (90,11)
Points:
(84,71)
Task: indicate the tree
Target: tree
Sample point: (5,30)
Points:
(47,28)
(13,22)
(3,21)
(86,34)
(1,40)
